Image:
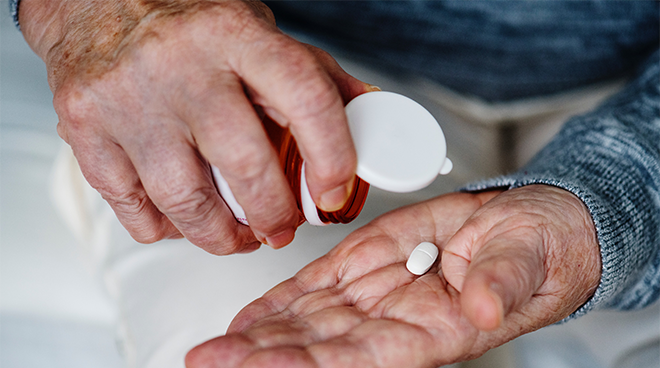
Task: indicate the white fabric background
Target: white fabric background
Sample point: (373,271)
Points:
(53,311)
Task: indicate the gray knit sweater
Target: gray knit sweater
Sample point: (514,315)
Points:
(610,159)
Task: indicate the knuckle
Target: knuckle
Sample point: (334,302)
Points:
(128,201)
(225,243)
(74,106)
(245,165)
(316,97)
(306,87)
(262,10)
(185,204)
(132,209)
(62,132)
(318,83)
(334,172)
(314,92)
(243,21)
(193,212)
(310,88)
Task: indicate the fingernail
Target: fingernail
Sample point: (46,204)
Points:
(373,88)
(280,239)
(275,115)
(334,199)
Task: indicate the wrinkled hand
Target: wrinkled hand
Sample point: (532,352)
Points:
(526,258)
(148,93)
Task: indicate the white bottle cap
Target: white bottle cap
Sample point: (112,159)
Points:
(400,146)
(228,196)
(310,211)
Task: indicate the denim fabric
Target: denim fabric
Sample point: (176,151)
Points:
(496,50)
(13,10)
(610,158)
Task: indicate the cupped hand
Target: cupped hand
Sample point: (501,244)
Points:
(149,93)
(510,263)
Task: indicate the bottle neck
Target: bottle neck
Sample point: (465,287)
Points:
(292,164)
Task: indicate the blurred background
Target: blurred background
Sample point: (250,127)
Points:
(53,311)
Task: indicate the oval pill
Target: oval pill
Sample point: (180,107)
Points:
(422,258)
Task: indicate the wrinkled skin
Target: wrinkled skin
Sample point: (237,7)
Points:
(511,262)
(148,93)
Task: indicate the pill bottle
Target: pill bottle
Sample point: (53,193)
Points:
(293,167)
(400,148)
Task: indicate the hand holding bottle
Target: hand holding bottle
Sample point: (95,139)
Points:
(148,94)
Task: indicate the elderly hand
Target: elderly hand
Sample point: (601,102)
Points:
(510,263)
(148,93)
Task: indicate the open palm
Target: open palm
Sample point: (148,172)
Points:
(358,306)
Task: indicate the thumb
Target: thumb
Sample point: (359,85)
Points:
(495,274)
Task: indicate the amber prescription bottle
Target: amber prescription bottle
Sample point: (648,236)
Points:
(293,167)
(400,148)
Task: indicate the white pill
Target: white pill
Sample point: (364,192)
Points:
(422,258)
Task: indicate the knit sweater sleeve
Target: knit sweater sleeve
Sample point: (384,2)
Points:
(13,10)
(610,159)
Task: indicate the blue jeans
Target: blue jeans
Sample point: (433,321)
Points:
(496,50)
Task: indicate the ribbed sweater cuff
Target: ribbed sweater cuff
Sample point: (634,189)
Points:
(13,10)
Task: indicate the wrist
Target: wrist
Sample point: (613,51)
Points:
(89,36)
(66,34)
(41,23)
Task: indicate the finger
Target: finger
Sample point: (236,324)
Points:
(230,135)
(108,169)
(318,275)
(317,278)
(382,343)
(348,86)
(362,293)
(226,351)
(278,332)
(179,183)
(106,166)
(234,351)
(295,86)
(288,326)
(294,297)
(500,277)
(460,245)
(358,342)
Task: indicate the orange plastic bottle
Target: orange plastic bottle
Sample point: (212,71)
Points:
(292,165)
